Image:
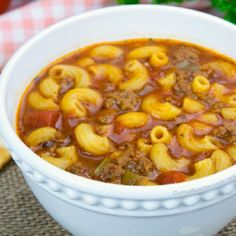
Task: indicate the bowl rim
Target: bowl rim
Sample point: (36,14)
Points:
(18,148)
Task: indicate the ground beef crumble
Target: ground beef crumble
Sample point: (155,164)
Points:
(189,54)
(136,161)
(128,158)
(112,173)
(226,134)
(81,169)
(210,102)
(106,116)
(123,100)
(205,70)
(66,85)
(182,88)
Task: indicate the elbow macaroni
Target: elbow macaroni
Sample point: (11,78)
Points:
(85,61)
(49,88)
(203,168)
(163,111)
(231,150)
(209,118)
(132,119)
(40,135)
(229,113)
(187,139)
(67,157)
(79,75)
(200,84)
(106,71)
(218,90)
(221,160)
(138,76)
(218,161)
(38,102)
(72,102)
(156,54)
(230,100)
(159,59)
(223,67)
(192,106)
(201,127)
(145,52)
(163,161)
(167,82)
(144,145)
(105,52)
(90,142)
(160,134)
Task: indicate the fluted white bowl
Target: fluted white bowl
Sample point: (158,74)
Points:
(86,207)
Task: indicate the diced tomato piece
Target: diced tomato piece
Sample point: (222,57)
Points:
(37,119)
(4,5)
(171,177)
(119,128)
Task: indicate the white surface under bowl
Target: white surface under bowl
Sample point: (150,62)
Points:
(90,208)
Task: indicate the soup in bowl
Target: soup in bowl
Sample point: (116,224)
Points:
(131,121)
(137,112)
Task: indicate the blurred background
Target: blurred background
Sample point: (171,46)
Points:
(22,19)
(213,6)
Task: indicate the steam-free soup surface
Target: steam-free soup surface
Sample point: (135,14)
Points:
(137,112)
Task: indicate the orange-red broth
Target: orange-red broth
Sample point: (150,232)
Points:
(29,119)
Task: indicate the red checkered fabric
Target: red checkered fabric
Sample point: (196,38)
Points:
(18,25)
(28,17)
(18,3)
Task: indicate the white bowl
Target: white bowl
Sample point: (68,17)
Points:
(87,207)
